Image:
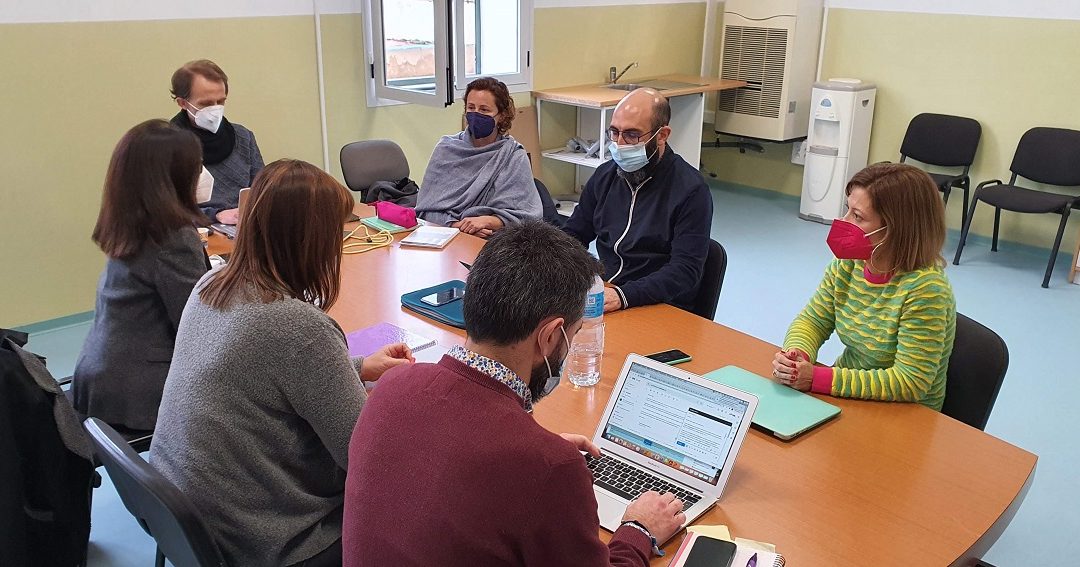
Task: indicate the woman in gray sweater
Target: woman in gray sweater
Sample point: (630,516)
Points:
(262,395)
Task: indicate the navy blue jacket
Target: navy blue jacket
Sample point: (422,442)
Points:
(652,240)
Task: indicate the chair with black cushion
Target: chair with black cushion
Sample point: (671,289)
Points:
(367,161)
(161,509)
(712,280)
(976,370)
(944,141)
(551,212)
(1050,156)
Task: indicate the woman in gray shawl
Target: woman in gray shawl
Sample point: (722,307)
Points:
(480,180)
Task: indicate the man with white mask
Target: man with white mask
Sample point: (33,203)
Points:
(648,210)
(230,153)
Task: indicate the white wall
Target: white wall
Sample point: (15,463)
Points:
(57,11)
(1042,9)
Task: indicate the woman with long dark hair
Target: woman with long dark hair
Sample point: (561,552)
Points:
(146,227)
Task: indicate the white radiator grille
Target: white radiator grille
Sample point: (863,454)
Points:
(757,56)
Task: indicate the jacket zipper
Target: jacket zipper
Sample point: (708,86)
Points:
(629,221)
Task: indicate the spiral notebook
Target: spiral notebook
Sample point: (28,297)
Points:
(370,339)
(747,554)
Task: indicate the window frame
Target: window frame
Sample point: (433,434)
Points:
(449,44)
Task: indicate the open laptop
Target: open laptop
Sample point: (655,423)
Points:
(667,430)
(228,229)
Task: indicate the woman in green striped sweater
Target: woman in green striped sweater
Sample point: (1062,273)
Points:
(885,295)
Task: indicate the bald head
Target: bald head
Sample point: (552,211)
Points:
(646,108)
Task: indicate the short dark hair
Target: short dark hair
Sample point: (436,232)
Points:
(149,188)
(205,68)
(503,101)
(526,273)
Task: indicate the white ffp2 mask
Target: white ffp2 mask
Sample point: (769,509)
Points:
(205,188)
(208,118)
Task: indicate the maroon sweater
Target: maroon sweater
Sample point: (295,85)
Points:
(446,468)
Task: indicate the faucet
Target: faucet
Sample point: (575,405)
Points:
(614,78)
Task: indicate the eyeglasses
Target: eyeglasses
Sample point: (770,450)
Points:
(628,136)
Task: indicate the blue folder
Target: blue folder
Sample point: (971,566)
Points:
(448,314)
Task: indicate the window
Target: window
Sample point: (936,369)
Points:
(427,51)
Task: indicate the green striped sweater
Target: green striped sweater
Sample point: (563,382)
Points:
(898,335)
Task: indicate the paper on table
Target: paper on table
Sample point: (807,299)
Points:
(756,545)
(718,532)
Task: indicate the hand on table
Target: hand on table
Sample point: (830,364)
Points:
(792,369)
(612,302)
(228,216)
(482,226)
(384,359)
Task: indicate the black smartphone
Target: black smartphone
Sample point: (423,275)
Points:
(443,297)
(672,357)
(352,218)
(710,552)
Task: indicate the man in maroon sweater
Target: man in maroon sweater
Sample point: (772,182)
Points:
(448,468)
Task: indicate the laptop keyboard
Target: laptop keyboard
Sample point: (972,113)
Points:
(630,482)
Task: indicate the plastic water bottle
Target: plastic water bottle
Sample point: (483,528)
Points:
(583,362)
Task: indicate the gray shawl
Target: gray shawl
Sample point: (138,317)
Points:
(465,181)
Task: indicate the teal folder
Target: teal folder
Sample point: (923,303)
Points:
(784,411)
(448,314)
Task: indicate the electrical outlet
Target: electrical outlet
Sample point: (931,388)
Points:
(798,152)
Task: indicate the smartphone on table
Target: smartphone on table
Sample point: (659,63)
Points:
(443,297)
(672,357)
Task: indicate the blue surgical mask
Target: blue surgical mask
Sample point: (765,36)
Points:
(480,125)
(630,158)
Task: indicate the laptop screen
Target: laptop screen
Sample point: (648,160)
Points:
(687,427)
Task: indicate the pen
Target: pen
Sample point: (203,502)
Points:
(752,562)
(467,266)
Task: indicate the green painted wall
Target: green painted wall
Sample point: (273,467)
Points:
(70,90)
(1010,74)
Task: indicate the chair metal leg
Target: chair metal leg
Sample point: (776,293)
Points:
(997,222)
(945,190)
(967,226)
(965,185)
(1057,244)
(159,560)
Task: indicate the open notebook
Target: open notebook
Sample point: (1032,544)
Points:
(430,236)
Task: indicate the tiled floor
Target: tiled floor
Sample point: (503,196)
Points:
(775,263)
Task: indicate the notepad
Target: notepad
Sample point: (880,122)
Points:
(367,341)
(430,236)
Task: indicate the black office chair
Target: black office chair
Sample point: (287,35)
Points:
(712,280)
(161,509)
(944,141)
(1050,156)
(976,370)
(551,212)
(367,161)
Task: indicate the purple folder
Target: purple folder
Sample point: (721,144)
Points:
(368,340)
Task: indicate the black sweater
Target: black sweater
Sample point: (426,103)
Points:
(652,240)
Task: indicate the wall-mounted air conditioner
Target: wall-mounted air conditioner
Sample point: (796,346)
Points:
(773,46)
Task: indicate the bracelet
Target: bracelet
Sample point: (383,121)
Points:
(641,528)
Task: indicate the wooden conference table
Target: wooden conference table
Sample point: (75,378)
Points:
(883,484)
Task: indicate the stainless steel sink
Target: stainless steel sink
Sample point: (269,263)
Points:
(658,84)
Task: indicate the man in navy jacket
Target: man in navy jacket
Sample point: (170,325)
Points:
(649,211)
